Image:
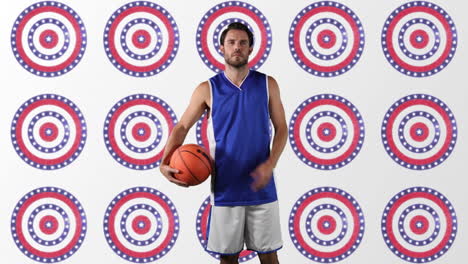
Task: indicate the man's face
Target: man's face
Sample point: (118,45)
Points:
(236,48)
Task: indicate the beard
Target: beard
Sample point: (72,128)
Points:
(236,62)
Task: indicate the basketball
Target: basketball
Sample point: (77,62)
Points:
(193,162)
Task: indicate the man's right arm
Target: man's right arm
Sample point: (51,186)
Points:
(198,104)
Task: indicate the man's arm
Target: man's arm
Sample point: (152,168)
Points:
(198,104)
(262,174)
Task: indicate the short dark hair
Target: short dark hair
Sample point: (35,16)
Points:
(239,26)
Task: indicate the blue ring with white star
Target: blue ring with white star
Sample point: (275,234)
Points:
(359,225)
(402,43)
(435,125)
(150,72)
(79,116)
(152,118)
(447,113)
(65,126)
(428,72)
(158,224)
(81,45)
(310,230)
(402,227)
(360,41)
(37,238)
(82,219)
(125,39)
(316,118)
(451,217)
(151,192)
(310,45)
(63,49)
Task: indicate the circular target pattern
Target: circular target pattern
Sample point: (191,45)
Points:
(218,18)
(326,224)
(201,227)
(326,132)
(48,39)
(141,224)
(136,130)
(419,224)
(48,131)
(419,132)
(326,39)
(419,39)
(48,225)
(141,39)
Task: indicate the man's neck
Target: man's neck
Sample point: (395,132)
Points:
(236,75)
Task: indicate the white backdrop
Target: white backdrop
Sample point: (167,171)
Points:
(372,85)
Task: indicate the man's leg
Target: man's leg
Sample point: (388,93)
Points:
(226,232)
(229,259)
(268,258)
(263,231)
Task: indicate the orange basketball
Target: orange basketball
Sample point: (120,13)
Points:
(193,162)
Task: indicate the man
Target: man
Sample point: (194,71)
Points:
(240,103)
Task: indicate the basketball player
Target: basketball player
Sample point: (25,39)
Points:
(240,103)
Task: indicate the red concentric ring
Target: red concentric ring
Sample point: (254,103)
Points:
(147,68)
(77,33)
(300,52)
(76,232)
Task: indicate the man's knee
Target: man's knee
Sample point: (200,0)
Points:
(268,258)
(229,259)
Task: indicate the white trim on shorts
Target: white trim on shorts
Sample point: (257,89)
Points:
(256,226)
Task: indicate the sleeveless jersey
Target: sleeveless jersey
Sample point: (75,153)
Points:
(240,123)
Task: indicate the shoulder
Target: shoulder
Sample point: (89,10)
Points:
(202,93)
(272,83)
(203,89)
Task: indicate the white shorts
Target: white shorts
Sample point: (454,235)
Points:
(258,226)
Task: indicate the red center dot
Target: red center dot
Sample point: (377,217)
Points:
(141,131)
(326,131)
(326,38)
(48,131)
(419,39)
(48,39)
(419,132)
(141,39)
(48,224)
(326,224)
(141,224)
(419,224)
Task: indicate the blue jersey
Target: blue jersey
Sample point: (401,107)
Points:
(240,123)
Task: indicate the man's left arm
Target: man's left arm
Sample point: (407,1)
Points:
(262,174)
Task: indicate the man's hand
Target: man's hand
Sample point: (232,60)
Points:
(168,172)
(261,175)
